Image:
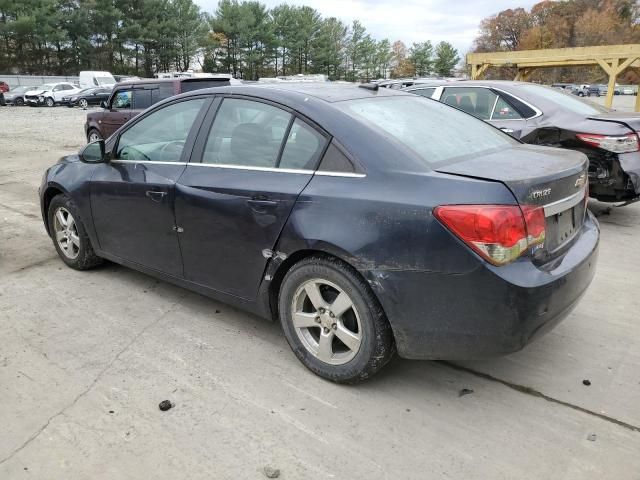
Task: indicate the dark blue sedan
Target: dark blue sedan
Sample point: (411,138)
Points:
(368,221)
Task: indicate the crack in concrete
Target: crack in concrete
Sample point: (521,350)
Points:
(535,393)
(63,411)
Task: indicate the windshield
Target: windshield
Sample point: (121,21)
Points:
(105,80)
(565,100)
(433,131)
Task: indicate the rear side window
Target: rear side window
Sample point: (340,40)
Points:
(164,90)
(141,99)
(336,161)
(424,92)
(303,148)
(504,111)
(435,133)
(246,133)
(476,101)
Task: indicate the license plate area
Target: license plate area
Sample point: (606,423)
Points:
(563,226)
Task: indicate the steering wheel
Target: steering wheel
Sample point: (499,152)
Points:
(170,149)
(133,150)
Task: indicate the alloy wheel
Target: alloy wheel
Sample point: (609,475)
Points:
(326,321)
(84,103)
(50,102)
(66,232)
(94,137)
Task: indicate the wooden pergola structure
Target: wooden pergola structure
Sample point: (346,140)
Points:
(613,59)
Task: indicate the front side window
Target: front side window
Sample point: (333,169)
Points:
(435,133)
(246,133)
(121,100)
(160,136)
(476,101)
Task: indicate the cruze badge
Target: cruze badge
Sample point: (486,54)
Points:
(580,181)
(544,192)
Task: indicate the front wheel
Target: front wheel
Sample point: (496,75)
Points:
(69,235)
(333,322)
(49,102)
(18,102)
(83,103)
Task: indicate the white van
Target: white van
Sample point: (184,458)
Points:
(92,78)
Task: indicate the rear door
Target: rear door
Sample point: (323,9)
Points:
(488,105)
(235,196)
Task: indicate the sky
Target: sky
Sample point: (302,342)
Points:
(455,21)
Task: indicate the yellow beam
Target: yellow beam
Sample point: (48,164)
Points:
(613,73)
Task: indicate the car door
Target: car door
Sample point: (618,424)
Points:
(506,117)
(118,111)
(235,196)
(132,196)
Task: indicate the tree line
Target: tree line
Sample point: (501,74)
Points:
(561,24)
(244,38)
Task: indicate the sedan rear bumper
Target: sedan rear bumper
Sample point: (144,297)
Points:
(488,311)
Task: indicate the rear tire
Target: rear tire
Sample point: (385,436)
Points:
(18,102)
(69,235)
(333,322)
(93,135)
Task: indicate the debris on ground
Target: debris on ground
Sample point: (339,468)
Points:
(165,405)
(271,472)
(592,437)
(586,382)
(465,391)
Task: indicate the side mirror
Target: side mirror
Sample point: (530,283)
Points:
(94,152)
(104,105)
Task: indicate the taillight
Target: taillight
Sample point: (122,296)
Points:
(617,143)
(498,233)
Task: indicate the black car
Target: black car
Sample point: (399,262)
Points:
(367,221)
(88,96)
(547,116)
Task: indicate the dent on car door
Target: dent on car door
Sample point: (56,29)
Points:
(233,200)
(132,196)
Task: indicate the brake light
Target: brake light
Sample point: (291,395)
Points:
(498,233)
(617,144)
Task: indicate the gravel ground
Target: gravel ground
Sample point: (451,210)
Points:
(86,357)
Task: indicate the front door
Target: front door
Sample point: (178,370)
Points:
(118,111)
(234,200)
(132,196)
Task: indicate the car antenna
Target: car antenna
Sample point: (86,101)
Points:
(370,86)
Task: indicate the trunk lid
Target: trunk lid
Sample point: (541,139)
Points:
(629,120)
(551,178)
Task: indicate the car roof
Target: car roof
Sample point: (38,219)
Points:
(295,92)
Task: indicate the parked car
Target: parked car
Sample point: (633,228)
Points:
(580,90)
(628,90)
(562,86)
(90,78)
(545,116)
(16,95)
(597,90)
(4,87)
(128,99)
(49,94)
(366,221)
(88,96)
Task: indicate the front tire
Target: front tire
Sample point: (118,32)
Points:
(69,235)
(333,322)
(49,102)
(83,103)
(19,102)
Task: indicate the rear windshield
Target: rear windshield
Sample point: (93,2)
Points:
(435,132)
(567,101)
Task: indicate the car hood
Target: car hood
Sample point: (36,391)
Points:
(535,175)
(35,92)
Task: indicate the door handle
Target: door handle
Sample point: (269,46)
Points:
(155,196)
(507,130)
(260,205)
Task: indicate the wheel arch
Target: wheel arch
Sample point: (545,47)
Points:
(50,192)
